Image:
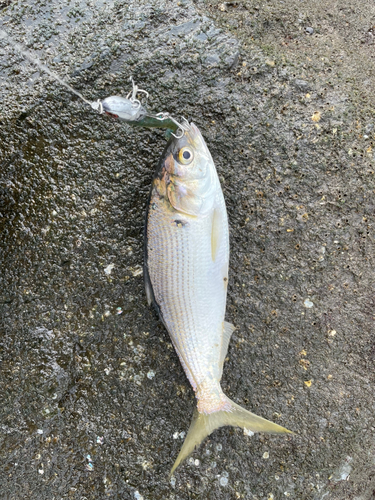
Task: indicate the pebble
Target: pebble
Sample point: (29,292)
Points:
(270,63)
(151,374)
(307,303)
(202,37)
(223,481)
(301,84)
(309,30)
(212,60)
(248,432)
(184,28)
(108,269)
(343,473)
(137,271)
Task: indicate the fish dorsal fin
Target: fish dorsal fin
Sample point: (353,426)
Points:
(216,233)
(228,329)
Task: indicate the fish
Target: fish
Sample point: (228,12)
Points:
(186,278)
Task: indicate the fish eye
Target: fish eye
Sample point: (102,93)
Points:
(185,156)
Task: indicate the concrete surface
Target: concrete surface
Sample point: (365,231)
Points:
(94,402)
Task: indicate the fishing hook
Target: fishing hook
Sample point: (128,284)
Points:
(182,127)
(132,96)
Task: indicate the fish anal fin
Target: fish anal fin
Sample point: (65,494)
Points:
(186,368)
(228,329)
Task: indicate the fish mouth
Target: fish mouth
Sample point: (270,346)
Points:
(194,130)
(193,135)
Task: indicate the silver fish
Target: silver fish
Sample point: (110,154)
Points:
(186,277)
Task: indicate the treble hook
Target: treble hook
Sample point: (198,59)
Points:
(133,93)
(182,127)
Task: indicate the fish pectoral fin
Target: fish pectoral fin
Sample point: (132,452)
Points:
(228,329)
(148,293)
(216,233)
(203,425)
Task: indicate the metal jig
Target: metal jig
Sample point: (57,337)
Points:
(131,111)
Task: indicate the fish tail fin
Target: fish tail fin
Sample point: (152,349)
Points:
(203,424)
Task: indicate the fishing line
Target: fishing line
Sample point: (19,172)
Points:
(35,60)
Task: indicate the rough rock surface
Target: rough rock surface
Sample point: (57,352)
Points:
(94,403)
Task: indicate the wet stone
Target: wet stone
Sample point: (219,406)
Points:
(223,480)
(212,60)
(185,28)
(78,345)
(302,85)
(202,37)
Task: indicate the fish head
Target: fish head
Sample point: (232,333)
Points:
(188,173)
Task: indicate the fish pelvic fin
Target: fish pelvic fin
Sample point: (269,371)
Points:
(203,424)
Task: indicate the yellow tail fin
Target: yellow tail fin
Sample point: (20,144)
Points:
(203,424)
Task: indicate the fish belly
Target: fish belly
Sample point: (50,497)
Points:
(189,283)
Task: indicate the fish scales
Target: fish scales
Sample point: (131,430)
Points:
(186,285)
